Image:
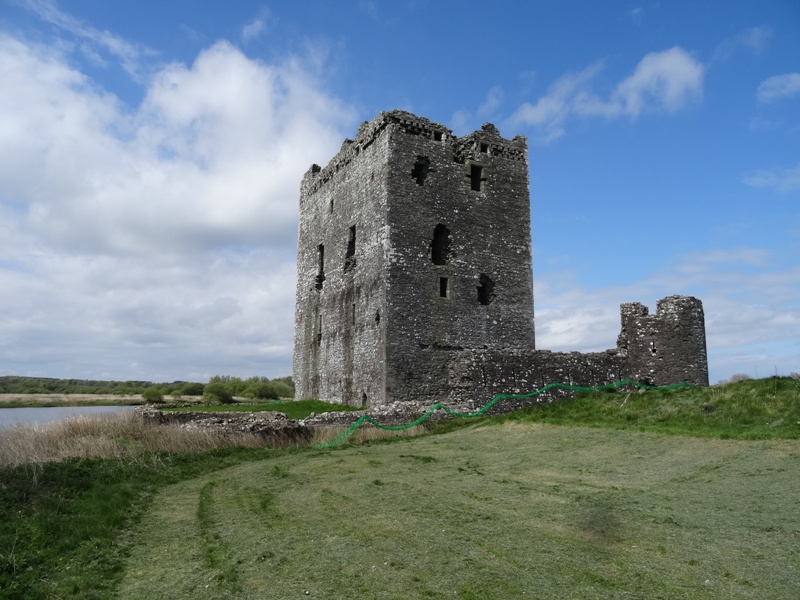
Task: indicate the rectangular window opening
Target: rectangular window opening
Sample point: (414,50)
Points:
(443,287)
(484,148)
(476,178)
(350,255)
(437,136)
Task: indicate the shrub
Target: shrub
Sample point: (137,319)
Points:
(282,389)
(216,392)
(263,390)
(153,395)
(739,377)
(193,389)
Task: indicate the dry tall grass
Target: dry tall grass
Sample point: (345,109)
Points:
(117,436)
(125,436)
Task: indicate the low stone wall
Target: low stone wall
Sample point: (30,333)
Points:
(477,376)
(269,424)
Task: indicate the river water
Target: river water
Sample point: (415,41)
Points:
(46,414)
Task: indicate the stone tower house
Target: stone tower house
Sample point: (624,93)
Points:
(414,278)
(413,245)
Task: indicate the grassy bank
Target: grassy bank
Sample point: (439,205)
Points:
(755,409)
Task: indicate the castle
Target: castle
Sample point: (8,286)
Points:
(414,278)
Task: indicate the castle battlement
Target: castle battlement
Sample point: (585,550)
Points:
(469,147)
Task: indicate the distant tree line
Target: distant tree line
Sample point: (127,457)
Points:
(220,387)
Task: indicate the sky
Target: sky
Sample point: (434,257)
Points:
(151,154)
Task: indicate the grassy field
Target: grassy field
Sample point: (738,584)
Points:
(660,497)
(501,511)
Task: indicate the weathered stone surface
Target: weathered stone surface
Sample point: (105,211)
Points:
(414,278)
(264,423)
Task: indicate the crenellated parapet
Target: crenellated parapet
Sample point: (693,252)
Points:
(475,146)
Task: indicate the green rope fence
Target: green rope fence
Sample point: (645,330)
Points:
(453,413)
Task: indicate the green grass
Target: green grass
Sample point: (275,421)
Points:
(500,511)
(63,524)
(754,409)
(527,505)
(292,409)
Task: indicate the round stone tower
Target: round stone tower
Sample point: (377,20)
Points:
(667,347)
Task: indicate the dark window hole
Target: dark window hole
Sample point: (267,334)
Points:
(440,246)
(421,169)
(485,290)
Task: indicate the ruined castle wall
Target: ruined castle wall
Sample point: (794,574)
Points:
(477,376)
(339,348)
(668,346)
(459,262)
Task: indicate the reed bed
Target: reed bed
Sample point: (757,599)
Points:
(125,436)
(116,436)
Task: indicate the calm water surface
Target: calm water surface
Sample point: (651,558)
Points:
(38,416)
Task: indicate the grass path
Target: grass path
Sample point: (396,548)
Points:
(511,511)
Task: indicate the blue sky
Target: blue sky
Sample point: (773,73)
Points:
(151,154)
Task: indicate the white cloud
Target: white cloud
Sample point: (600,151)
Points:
(779,87)
(129,54)
(464,121)
(662,82)
(753,40)
(637,15)
(492,102)
(255,27)
(551,111)
(781,180)
(162,234)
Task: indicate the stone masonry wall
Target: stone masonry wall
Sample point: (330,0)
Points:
(459,267)
(667,347)
(477,376)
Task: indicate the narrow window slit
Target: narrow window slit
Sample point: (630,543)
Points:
(443,287)
(350,255)
(440,246)
(320,266)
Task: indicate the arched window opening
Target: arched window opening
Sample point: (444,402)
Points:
(440,246)
(485,290)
